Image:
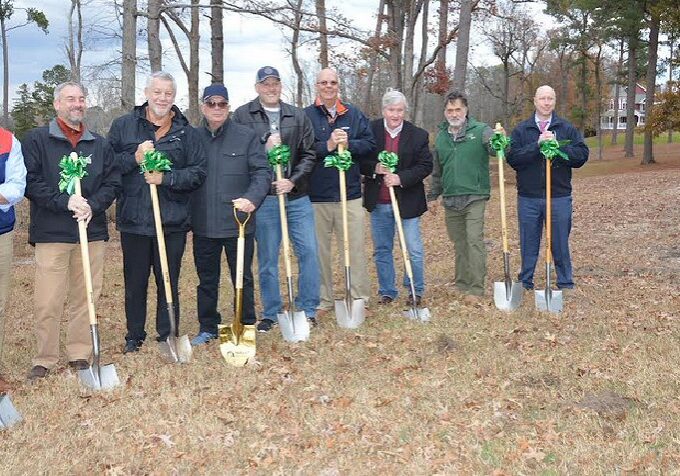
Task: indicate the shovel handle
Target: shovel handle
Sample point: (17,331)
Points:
(284,225)
(548,211)
(501,186)
(343,203)
(85,258)
(400,230)
(160,237)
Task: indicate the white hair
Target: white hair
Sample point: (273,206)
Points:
(392,96)
(163,76)
(60,87)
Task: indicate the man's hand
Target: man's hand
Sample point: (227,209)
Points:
(380,169)
(546,135)
(391,180)
(80,208)
(283,186)
(155,178)
(142,148)
(338,136)
(244,205)
(273,140)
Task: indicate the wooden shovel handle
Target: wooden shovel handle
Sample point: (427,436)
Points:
(85,258)
(343,203)
(501,192)
(284,225)
(400,230)
(548,211)
(160,237)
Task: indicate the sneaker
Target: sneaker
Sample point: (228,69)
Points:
(409,300)
(132,346)
(265,325)
(312,321)
(203,338)
(385,299)
(38,372)
(80,364)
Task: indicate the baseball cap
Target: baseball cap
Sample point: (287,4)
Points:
(267,72)
(215,90)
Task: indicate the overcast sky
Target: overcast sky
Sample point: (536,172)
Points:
(249,44)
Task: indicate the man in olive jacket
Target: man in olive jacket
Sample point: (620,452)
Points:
(238,178)
(156,125)
(461,176)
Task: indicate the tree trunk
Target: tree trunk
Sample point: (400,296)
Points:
(396,31)
(671,44)
(323,35)
(192,77)
(630,97)
(462,45)
(598,87)
(294,55)
(5,74)
(652,53)
(216,42)
(74,48)
(506,92)
(373,59)
(129,55)
(416,108)
(409,48)
(154,38)
(617,93)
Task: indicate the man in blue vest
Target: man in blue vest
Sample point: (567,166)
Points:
(12,185)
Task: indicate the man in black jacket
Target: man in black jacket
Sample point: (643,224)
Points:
(238,178)
(155,125)
(276,122)
(53,229)
(411,144)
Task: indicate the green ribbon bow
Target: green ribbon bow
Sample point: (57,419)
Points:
(389,160)
(551,148)
(341,161)
(499,142)
(155,161)
(279,155)
(70,171)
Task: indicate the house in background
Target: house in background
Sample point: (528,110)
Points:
(620,110)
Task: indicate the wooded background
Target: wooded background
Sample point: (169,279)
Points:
(589,51)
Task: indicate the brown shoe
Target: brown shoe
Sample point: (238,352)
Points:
(80,364)
(38,372)
(385,300)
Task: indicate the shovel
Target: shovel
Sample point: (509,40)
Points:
(174,349)
(8,414)
(96,377)
(547,299)
(507,295)
(349,313)
(237,341)
(293,324)
(423,313)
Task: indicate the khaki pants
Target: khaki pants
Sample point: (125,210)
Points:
(59,277)
(6,240)
(328,219)
(466,229)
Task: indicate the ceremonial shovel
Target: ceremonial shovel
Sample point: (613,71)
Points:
(547,299)
(349,313)
(507,295)
(237,341)
(174,349)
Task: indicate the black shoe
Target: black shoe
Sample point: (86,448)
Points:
(132,346)
(385,300)
(265,325)
(409,300)
(80,364)
(312,321)
(37,373)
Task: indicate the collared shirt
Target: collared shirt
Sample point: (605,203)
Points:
(15,177)
(73,135)
(393,132)
(538,123)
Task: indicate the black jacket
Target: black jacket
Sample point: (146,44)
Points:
(134,213)
(51,220)
(415,163)
(237,167)
(296,131)
(525,157)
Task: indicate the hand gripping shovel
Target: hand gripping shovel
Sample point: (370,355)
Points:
(507,295)
(96,377)
(547,299)
(390,160)
(174,349)
(237,341)
(349,313)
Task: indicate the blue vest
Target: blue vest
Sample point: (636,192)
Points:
(6,218)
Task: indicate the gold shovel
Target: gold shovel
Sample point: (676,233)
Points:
(237,341)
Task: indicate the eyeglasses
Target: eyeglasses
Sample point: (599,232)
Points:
(326,83)
(213,105)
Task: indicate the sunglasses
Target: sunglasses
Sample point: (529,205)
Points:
(326,83)
(213,105)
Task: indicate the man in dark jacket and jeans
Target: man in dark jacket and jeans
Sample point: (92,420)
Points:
(54,227)
(276,122)
(238,178)
(156,125)
(525,157)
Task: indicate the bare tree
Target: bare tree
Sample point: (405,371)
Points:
(129,54)
(323,31)
(652,54)
(462,45)
(153,26)
(216,41)
(74,45)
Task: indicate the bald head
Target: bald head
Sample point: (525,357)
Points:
(327,86)
(544,101)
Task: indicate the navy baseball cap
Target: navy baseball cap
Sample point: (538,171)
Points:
(215,90)
(267,72)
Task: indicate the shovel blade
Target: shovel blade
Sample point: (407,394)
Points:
(421,314)
(352,315)
(295,327)
(548,300)
(184,350)
(169,350)
(102,378)
(506,302)
(237,352)
(8,414)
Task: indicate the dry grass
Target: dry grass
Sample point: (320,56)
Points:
(591,391)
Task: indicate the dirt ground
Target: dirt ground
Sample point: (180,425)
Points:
(593,390)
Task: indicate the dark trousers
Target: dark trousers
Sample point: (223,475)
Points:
(207,257)
(531,215)
(140,255)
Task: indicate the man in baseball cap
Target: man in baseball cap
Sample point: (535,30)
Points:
(267,72)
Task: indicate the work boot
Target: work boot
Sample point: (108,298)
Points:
(312,321)
(409,300)
(132,346)
(385,299)
(265,325)
(37,373)
(80,364)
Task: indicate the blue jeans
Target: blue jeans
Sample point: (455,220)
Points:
(383,228)
(531,215)
(301,230)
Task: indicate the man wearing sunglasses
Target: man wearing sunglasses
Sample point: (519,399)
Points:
(276,122)
(238,179)
(337,122)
